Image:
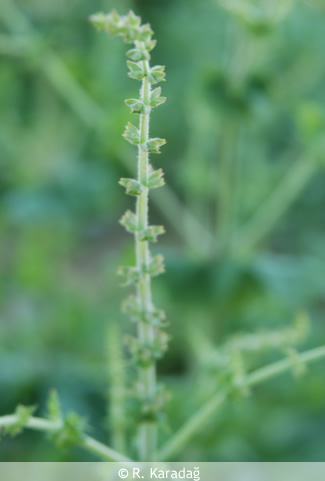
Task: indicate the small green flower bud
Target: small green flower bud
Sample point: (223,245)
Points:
(156,179)
(153,145)
(130,222)
(137,54)
(156,266)
(132,186)
(137,71)
(131,275)
(136,106)
(132,134)
(151,233)
(155,98)
(157,74)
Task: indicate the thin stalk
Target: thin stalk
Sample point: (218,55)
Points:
(117,389)
(146,332)
(90,444)
(204,414)
(271,211)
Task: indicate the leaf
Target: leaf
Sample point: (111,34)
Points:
(132,134)
(151,233)
(155,98)
(153,145)
(132,186)
(137,106)
(156,179)
(156,266)
(157,74)
(130,222)
(137,71)
(131,275)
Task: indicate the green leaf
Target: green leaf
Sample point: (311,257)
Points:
(151,233)
(156,179)
(54,412)
(137,71)
(155,98)
(131,275)
(130,222)
(132,186)
(132,134)
(136,106)
(157,74)
(156,266)
(137,54)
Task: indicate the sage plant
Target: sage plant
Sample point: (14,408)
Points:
(151,341)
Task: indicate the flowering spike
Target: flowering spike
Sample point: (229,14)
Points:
(133,187)
(153,342)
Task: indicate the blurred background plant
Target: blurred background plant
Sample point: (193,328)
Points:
(244,212)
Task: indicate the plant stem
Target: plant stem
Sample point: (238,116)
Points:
(88,443)
(147,430)
(117,388)
(276,205)
(203,415)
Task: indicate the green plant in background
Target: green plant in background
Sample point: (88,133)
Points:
(232,361)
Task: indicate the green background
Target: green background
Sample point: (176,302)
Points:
(244,211)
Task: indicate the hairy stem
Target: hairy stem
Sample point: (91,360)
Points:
(146,333)
(90,444)
(203,415)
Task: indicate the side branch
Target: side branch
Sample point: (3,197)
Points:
(203,415)
(87,442)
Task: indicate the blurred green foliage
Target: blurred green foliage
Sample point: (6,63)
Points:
(244,212)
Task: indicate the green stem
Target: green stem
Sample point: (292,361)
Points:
(277,205)
(88,443)
(117,389)
(147,430)
(204,414)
